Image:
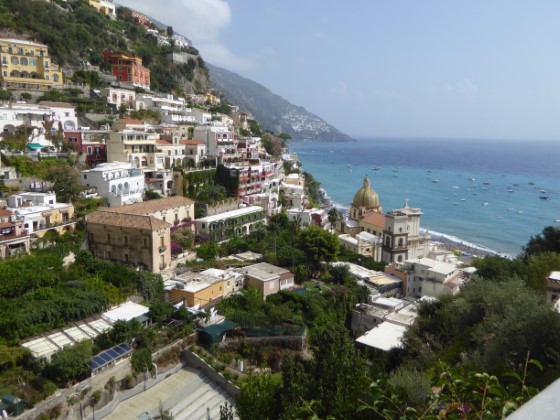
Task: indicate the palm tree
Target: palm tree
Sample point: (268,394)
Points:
(333,216)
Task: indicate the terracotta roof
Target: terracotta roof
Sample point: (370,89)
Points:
(168,143)
(190,142)
(151,206)
(376,219)
(104,217)
(5,213)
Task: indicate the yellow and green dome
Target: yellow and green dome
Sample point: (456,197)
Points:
(366,196)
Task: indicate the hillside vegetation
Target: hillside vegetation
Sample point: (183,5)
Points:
(76,33)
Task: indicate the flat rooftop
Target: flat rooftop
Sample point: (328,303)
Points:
(383,337)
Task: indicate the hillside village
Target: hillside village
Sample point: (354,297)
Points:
(170,229)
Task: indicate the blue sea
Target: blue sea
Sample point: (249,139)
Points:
(483,192)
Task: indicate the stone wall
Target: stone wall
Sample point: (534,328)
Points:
(194,361)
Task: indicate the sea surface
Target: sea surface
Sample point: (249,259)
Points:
(494,194)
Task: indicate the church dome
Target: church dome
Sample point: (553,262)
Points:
(366,196)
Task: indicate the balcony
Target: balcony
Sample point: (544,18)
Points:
(162,249)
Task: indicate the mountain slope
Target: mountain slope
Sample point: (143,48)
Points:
(272,111)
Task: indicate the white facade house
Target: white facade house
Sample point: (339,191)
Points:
(427,277)
(172,110)
(294,195)
(219,140)
(37,116)
(268,201)
(120,182)
(201,116)
(119,97)
(308,217)
(40,211)
(180,41)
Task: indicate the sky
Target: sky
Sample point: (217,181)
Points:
(390,68)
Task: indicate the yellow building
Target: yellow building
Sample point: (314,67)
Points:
(27,65)
(104,6)
(130,239)
(196,290)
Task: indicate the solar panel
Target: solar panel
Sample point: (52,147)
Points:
(110,355)
(119,351)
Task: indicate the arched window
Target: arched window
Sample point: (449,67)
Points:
(401,242)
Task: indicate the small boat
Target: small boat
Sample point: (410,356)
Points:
(485,183)
(472,179)
(520,211)
(455,187)
(542,191)
(435,181)
(516,185)
(557,221)
(485,204)
(531,183)
(510,190)
(376,168)
(544,197)
(463,199)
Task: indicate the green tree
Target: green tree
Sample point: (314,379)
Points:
(318,245)
(256,399)
(66,183)
(539,268)
(141,360)
(72,362)
(547,241)
(333,216)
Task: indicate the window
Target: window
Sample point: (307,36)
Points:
(85,176)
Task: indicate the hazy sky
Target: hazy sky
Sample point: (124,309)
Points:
(430,68)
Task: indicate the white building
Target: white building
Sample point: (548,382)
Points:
(201,116)
(236,222)
(172,110)
(121,183)
(119,96)
(160,181)
(294,195)
(40,211)
(427,277)
(268,201)
(62,115)
(308,217)
(220,141)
